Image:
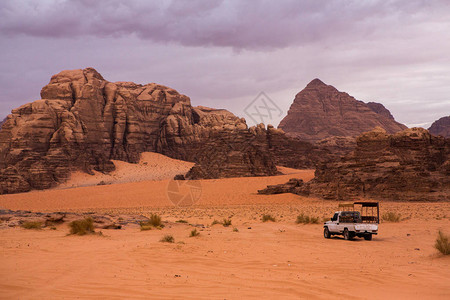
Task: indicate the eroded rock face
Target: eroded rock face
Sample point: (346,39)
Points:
(441,127)
(411,165)
(83,122)
(320,111)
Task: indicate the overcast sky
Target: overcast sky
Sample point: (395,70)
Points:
(224,53)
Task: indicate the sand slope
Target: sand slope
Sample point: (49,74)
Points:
(152,166)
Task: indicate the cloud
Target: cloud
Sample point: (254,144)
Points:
(255,24)
(224,53)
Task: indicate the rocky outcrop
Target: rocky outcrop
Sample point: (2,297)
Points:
(441,127)
(320,111)
(2,122)
(255,152)
(11,218)
(294,186)
(411,165)
(83,122)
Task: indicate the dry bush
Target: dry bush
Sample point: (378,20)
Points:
(235,229)
(181,221)
(82,227)
(167,239)
(443,243)
(194,233)
(32,225)
(215,222)
(153,222)
(266,218)
(391,217)
(226,222)
(305,219)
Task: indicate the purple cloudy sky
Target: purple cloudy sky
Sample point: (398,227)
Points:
(224,53)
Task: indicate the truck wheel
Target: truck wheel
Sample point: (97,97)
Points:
(368,237)
(347,235)
(326,233)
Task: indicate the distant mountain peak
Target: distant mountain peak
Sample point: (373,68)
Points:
(320,111)
(441,127)
(316,83)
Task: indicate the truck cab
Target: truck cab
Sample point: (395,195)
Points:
(354,223)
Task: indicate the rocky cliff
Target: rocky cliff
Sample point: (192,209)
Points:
(411,165)
(320,111)
(441,127)
(83,122)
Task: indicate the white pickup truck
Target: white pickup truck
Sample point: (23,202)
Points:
(354,223)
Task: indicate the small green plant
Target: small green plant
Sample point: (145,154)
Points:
(266,218)
(182,221)
(32,225)
(153,222)
(391,217)
(194,233)
(167,239)
(305,219)
(235,229)
(443,243)
(226,222)
(82,227)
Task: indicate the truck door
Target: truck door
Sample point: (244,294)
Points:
(340,224)
(333,227)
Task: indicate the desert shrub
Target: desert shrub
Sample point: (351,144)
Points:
(182,221)
(226,222)
(145,227)
(215,222)
(167,239)
(391,217)
(305,219)
(443,243)
(32,225)
(82,227)
(235,229)
(194,233)
(153,222)
(266,218)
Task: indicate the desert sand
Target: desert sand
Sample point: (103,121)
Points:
(152,166)
(272,260)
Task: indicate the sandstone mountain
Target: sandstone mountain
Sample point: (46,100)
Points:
(83,122)
(441,127)
(411,165)
(320,111)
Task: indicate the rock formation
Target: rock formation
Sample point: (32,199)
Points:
(320,111)
(84,121)
(410,165)
(441,127)
(255,152)
(1,122)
